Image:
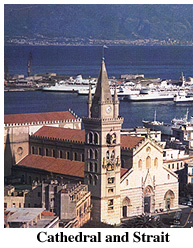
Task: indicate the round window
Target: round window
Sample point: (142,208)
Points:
(19,150)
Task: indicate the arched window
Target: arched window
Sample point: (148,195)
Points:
(46,151)
(91,154)
(60,154)
(90,137)
(148,162)
(91,166)
(40,151)
(95,167)
(53,153)
(96,138)
(140,164)
(75,156)
(96,154)
(156,162)
(68,155)
(32,150)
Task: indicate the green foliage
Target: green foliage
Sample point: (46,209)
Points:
(188,190)
(144,221)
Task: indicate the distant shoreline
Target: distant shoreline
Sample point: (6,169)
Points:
(98,45)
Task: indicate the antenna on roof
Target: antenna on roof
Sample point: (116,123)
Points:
(103,52)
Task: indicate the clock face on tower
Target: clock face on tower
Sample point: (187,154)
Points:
(108,109)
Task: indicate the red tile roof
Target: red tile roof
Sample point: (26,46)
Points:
(61,133)
(130,141)
(34,117)
(47,213)
(79,135)
(61,166)
(55,165)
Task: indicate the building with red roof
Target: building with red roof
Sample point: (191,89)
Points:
(18,127)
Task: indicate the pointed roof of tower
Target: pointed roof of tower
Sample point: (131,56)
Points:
(90,95)
(102,92)
(115,99)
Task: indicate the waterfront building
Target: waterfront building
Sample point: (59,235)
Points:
(143,132)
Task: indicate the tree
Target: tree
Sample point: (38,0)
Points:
(143,221)
(188,190)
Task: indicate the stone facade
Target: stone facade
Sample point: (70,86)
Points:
(147,187)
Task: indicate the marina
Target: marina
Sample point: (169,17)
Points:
(59,82)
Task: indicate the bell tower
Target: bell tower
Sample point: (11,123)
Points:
(102,151)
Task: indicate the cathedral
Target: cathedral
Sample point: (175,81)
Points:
(125,174)
(146,187)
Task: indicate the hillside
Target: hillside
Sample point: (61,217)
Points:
(58,23)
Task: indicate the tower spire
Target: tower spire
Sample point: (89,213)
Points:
(89,103)
(102,90)
(102,97)
(116,103)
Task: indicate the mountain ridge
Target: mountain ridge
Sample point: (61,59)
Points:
(92,23)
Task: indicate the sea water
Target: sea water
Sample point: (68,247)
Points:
(153,62)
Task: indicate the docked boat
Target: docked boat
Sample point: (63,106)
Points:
(180,98)
(151,95)
(121,91)
(158,126)
(165,128)
(71,85)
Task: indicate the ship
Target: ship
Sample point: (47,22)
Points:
(71,85)
(183,98)
(121,91)
(166,128)
(146,94)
